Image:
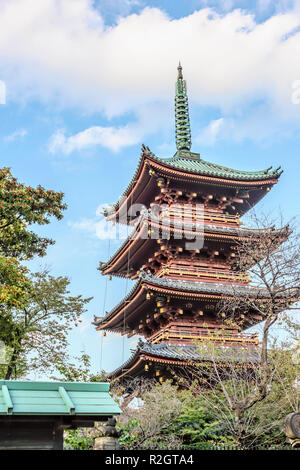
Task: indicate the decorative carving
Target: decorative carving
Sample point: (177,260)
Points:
(105,435)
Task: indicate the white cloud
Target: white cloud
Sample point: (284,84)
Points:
(257,7)
(20,133)
(87,225)
(246,124)
(85,326)
(133,343)
(62,51)
(2,92)
(109,137)
(263,5)
(102,229)
(149,119)
(209,134)
(222,5)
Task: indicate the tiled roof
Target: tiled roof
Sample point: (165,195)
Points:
(56,398)
(199,286)
(186,161)
(193,353)
(183,286)
(203,228)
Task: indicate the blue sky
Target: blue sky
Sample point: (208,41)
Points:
(88,82)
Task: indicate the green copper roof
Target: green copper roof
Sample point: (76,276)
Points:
(56,398)
(188,161)
(182,120)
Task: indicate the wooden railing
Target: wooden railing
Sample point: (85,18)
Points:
(216,336)
(204,273)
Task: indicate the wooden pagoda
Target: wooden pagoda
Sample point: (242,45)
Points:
(184,269)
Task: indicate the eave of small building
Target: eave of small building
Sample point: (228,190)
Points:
(30,398)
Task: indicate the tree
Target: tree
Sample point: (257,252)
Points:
(272,258)
(147,426)
(164,417)
(15,285)
(224,388)
(37,332)
(238,390)
(20,207)
(197,426)
(80,371)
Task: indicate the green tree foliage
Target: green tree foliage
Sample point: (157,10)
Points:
(80,371)
(15,285)
(196,425)
(148,425)
(129,434)
(200,417)
(167,418)
(78,439)
(283,397)
(218,388)
(37,332)
(20,207)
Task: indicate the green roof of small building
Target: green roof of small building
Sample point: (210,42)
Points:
(56,398)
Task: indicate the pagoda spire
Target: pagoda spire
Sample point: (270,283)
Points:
(182,120)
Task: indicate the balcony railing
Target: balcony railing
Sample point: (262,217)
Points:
(216,336)
(187,213)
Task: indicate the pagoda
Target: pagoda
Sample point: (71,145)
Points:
(185,214)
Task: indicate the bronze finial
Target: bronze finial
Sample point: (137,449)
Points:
(179,68)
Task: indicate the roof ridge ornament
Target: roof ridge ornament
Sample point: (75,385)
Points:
(145,150)
(179,68)
(182,119)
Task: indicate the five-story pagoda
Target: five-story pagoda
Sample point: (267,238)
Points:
(186,216)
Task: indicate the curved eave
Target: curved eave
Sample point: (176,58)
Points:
(167,167)
(134,366)
(135,242)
